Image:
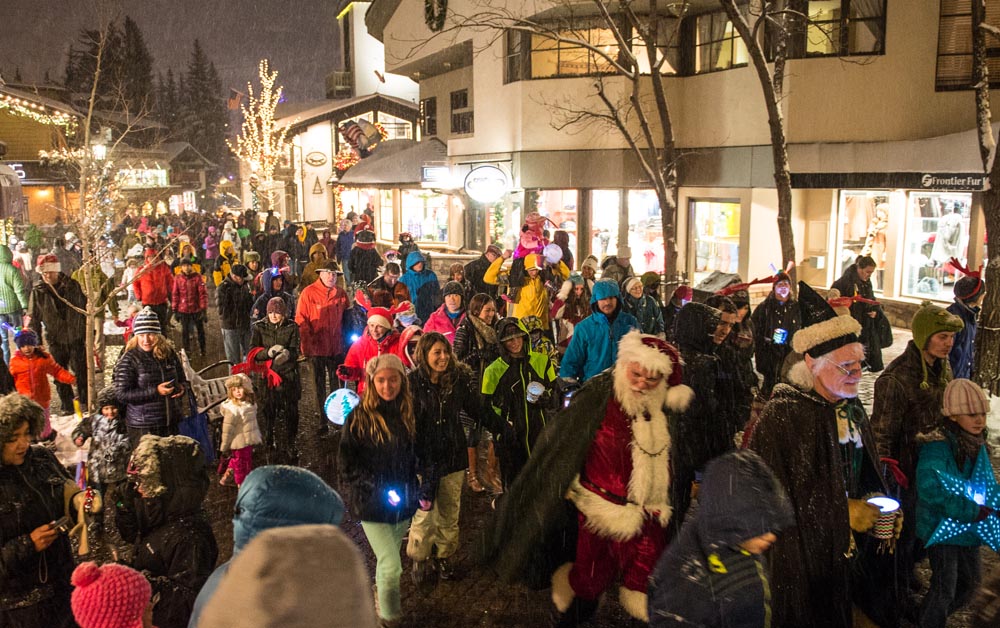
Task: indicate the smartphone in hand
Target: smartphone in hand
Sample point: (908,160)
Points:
(62,525)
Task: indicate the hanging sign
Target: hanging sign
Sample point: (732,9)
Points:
(486,184)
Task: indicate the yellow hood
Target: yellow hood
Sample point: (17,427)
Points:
(226,248)
(317,249)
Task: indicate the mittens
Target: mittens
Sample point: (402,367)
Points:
(274,351)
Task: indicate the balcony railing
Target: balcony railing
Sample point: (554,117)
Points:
(340,84)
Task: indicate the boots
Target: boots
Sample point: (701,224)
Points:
(493,479)
(471,475)
(579,612)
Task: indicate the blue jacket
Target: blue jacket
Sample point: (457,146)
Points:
(704,578)
(425,290)
(965,341)
(934,503)
(647,312)
(594,346)
(274,496)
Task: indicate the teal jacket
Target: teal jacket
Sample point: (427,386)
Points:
(13,293)
(934,503)
(594,345)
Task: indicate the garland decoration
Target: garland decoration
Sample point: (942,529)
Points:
(434,13)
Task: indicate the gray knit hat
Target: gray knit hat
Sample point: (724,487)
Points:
(146,322)
(15,409)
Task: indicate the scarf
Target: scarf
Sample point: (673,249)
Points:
(967,445)
(485,334)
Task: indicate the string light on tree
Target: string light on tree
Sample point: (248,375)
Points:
(262,142)
(981,488)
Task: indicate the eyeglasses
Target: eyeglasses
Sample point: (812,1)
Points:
(848,372)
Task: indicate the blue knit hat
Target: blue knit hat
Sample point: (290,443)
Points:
(26,338)
(146,322)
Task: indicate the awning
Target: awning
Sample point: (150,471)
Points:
(396,163)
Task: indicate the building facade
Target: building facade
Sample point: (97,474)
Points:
(881,133)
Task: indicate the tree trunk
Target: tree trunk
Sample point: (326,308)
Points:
(986,369)
(775,121)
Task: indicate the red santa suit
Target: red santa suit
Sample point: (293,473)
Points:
(622,492)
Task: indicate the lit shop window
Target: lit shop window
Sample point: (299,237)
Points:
(425,215)
(716,237)
(864,222)
(560,206)
(937,229)
(645,231)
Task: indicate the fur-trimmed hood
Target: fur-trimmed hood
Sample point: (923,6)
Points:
(15,409)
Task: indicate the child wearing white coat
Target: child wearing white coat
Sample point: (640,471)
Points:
(239,429)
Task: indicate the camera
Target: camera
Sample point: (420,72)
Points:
(62,525)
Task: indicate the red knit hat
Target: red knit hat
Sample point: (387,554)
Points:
(109,596)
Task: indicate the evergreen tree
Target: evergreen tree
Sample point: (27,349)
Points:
(203,118)
(81,66)
(136,70)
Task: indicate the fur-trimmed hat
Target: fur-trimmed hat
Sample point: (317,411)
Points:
(658,356)
(823,330)
(48,264)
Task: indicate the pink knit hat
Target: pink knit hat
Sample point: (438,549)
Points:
(109,596)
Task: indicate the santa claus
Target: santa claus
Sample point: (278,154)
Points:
(614,467)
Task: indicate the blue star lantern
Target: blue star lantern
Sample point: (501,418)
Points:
(981,487)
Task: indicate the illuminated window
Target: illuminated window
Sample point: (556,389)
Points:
(718,46)
(716,237)
(428,116)
(937,229)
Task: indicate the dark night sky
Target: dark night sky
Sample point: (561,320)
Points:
(300,37)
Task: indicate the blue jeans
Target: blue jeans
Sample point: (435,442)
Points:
(6,335)
(236,343)
(954,578)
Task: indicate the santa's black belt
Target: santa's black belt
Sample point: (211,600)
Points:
(587,484)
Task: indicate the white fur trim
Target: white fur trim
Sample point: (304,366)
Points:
(800,376)
(813,335)
(51,267)
(635,603)
(679,397)
(564,290)
(632,349)
(562,592)
(617,522)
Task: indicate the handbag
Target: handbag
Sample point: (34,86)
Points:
(883,330)
(196,426)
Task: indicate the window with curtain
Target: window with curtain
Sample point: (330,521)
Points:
(954,58)
(717,44)
(845,27)
(552,58)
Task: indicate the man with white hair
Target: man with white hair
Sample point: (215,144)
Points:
(816,437)
(609,454)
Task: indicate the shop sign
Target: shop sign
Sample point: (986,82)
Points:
(954,181)
(432,176)
(486,184)
(33,172)
(315,158)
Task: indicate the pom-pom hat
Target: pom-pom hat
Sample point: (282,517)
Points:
(146,322)
(823,330)
(109,596)
(658,356)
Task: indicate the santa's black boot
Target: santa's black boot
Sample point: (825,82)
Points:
(579,612)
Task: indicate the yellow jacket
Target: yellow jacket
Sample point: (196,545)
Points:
(533,298)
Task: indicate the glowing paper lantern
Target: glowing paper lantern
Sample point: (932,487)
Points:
(981,488)
(339,404)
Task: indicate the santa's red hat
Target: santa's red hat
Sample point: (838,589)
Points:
(49,264)
(658,356)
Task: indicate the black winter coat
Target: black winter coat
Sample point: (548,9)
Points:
(849,285)
(474,273)
(769,357)
(174,544)
(364,264)
(34,587)
(136,376)
(285,334)
(441,441)
(63,325)
(235,303)
(370,470)
(740,499)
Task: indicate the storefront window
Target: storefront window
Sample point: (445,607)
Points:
(645,231)
(425,215)
(864,222)
(937,229)
(560,206)
(385,216)
(716,237)
(604,224)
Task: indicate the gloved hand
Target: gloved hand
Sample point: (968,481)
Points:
(350,373)
(274,351)
(281,358)
(862,515)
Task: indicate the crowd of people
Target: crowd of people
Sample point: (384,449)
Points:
(714,461)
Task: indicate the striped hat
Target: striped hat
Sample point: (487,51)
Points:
(146,322)
(963,396)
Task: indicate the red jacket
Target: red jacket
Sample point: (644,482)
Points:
(31,375)
(318,314)
(367,348)
(153,285)
(189,295)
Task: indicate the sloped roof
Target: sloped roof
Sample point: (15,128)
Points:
(347,107)
(176,149)
(395,162)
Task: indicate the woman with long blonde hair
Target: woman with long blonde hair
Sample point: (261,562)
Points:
(378,463)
